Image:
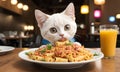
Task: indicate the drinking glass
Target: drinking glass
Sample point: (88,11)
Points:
(108,39)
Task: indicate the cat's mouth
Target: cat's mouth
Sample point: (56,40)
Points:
(62,39)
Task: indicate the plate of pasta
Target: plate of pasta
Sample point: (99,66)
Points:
(64,55)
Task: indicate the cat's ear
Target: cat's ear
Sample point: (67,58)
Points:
(40,17)
(70,11)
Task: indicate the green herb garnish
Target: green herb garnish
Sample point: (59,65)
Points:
(26,53)
(42,59)
(95,54)
(70,43)
(49,46)
(43,50)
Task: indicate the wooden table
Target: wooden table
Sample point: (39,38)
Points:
(12,63)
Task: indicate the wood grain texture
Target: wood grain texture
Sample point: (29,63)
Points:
(10,62)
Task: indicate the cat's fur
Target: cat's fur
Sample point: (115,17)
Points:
(57,26)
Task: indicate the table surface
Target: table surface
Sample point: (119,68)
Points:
(10,62)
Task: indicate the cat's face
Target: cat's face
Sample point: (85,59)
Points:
(57,26)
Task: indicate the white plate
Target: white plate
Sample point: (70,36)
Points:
(61,65)
(5,49)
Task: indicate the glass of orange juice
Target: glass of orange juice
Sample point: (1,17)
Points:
(108,39)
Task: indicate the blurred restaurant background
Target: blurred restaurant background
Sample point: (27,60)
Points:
(18,26)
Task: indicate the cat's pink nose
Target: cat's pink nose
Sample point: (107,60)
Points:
(61,35)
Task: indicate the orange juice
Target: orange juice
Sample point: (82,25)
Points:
(108,41)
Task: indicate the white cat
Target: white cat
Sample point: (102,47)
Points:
(57,26)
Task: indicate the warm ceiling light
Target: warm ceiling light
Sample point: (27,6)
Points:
(25,27)
(3,0)
(99,2)
(25,7)
(118,16)
(14,2)
(30,27)
(20,5)
(84,9)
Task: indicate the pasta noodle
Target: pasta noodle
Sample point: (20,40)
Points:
(61,52)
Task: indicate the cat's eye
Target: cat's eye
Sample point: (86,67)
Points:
(67,27)
(53,30)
